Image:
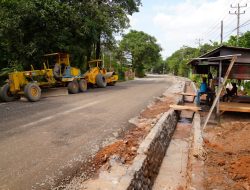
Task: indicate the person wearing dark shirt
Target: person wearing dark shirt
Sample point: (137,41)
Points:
(230,93)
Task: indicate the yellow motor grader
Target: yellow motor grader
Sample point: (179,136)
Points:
(56,72)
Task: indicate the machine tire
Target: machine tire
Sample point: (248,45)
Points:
(73,87)
(5,94)
(101,81)
(32,92)
(83,85)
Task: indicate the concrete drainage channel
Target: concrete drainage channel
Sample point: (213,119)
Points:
(150,154)
(145,166)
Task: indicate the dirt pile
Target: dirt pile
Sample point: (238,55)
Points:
(228,160)
(125,149)
(159,107)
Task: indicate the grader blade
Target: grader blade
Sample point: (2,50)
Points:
(54,92)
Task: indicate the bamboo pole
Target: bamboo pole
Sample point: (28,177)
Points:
(220,90)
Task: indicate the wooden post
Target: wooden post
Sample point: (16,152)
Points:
(219,85)
(219,90)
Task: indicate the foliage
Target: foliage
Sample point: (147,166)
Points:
(31,28)
(246,86)
(85,29)
(177,62)
(140,49)
(160,67)
(244,40)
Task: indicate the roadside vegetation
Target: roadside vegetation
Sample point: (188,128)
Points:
(140,50)
(87,29)
(177,62)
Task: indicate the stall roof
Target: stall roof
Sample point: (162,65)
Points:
(226,51)
(223,54)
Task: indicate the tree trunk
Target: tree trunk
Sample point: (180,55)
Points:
(98,48)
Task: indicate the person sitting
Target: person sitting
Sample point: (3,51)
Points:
(202,90)
(230,93)
(211,91)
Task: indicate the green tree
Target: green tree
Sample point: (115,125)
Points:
(103,18)
(244,40)
(177,62)
(30,28)
(141,50)
(160,67)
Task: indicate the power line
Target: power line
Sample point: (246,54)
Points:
(213,31)
(228,33)
(222,17)
(241,26)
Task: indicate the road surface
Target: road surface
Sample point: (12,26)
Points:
(40,142)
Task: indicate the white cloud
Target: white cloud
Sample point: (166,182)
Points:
(180,23)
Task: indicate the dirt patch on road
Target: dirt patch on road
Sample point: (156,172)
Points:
(228,160)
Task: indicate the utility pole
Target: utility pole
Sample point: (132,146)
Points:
(198,41)
(238,13)
(221,33)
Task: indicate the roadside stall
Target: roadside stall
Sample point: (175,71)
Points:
(227,63)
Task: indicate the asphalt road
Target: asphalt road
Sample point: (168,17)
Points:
(41,141)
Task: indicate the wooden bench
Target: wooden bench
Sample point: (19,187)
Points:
(209,98)
(192,95)
(234,107)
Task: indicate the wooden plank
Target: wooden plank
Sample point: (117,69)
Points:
(187,94)
(182,107)
(235,107)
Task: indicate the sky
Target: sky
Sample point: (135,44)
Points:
(175,23)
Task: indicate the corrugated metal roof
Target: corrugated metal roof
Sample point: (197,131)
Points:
(218,50)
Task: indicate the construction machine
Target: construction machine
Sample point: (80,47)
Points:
(56,72)
(98,75)
(64,74)
(26,83)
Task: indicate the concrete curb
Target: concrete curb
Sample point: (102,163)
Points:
(142,173)
(196,164)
